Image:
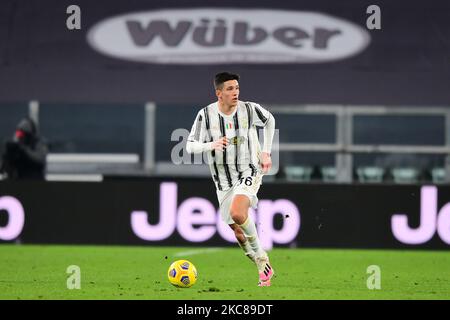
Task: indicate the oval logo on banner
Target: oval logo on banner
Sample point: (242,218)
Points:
(211,36)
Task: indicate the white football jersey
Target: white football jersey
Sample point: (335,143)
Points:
(243,152)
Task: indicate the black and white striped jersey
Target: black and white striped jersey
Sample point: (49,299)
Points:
(243,152)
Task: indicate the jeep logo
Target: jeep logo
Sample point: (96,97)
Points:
(203,36)
(16,218)
(432,220)
(197,220)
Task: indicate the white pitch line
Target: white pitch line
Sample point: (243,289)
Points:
(198,251)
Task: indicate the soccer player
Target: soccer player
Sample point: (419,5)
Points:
(226,131)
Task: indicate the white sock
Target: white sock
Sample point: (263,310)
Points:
(247,249)
(250,233)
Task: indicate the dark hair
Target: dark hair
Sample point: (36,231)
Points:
(222,77)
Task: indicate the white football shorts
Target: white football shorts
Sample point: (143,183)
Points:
(247,185)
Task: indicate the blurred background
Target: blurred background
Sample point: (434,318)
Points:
(357,106)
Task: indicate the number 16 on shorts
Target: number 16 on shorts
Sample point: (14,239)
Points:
(248,181)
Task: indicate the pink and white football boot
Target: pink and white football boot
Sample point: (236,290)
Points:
(265,270)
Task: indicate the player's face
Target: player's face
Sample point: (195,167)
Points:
(229,94)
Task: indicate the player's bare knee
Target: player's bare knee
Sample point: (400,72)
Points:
(234,214)
(237,216)
(239,209)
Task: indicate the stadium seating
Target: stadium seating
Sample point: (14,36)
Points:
(405,175)
(438,175)
(370,174)
(298,173)
(328,174)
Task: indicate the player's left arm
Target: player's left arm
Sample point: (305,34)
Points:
(263,118)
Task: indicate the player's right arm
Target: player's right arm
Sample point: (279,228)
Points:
(197,142)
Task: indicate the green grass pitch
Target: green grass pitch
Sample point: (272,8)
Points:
(39,272)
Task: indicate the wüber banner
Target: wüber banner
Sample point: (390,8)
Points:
(185,212)
(167,52)
(226,35)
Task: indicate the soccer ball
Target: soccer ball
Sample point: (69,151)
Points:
(182,274)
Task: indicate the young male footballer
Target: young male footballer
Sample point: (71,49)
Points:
(226,131)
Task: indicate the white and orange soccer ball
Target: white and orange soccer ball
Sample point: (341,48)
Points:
(182,274)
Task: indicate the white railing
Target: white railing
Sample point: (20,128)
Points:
(344,148)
